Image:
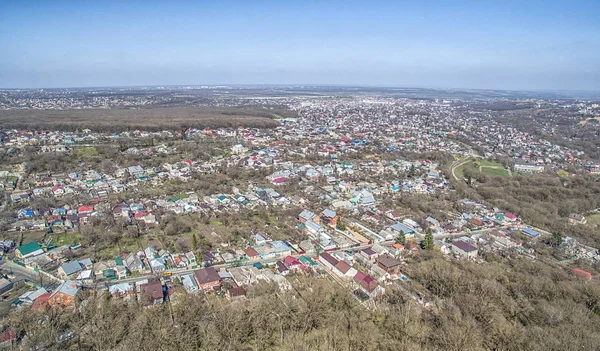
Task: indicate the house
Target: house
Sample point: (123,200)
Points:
(307,215)
(235,293)
(152,291)
(530,232)
(575,218)
(388,263)
(327,260)
(463,249)
(402,228)
(189,283)
(120,290)
(85,210)
(282,268)
(368,253)
(133,263)
(69,270)
(366,282)
(292,263)
(29,297)
(208,279)
(158,265)
(343,269)
(28,250)
(64,295)
(251,253)
(511,217)
(330,217)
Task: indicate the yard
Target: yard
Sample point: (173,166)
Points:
(594,219)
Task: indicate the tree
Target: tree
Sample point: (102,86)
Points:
(401,238)
(340,225)
(557,239)
(194,242)
(427,243)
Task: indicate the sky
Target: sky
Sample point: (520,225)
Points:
(519,45)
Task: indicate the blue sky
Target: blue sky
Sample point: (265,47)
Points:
(452,44)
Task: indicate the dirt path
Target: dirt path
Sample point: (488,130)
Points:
(458,164)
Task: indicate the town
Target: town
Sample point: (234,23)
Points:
(352,190)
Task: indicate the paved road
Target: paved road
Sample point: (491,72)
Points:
(178,271)
(27,274)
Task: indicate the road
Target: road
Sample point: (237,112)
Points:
(29,275)
(182,271)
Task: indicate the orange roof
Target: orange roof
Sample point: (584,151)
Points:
(398,246)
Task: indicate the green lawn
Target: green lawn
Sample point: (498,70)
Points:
(490,163)
(594,219)
(66,239)
(495,171)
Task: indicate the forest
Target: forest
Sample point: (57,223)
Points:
(151,119)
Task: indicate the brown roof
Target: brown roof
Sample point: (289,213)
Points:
(342,267)
(237,291)
(466,247)
(327,257)
(154,289)
(251,252)
(206,275)
(387,260)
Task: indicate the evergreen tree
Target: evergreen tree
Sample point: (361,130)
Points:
(557,239)
(401,238)
(427,243)
(194,242)
(340,225)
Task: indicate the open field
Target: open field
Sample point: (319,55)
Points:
(594,219)
(494,171)
(172,118)
(488,167)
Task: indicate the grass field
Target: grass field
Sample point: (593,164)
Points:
(495,171)
(483,166)
(86,152)
(594,219)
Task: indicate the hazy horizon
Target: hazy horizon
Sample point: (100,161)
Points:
(537,46)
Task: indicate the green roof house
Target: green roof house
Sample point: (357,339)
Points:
(31,249)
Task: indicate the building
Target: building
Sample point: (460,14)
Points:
(532,233)
(69,270)
(208,279)
(463,249)
(120,290)
(330,217)
(153,291)
(528,167)
(388,263)
(64,295)
(575,218)
(327,260)
(28,250)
